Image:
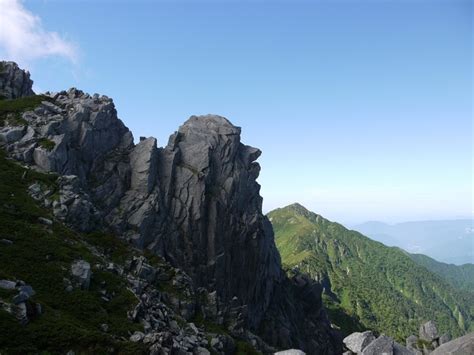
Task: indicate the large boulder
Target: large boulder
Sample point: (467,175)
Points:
(399,349)
(459,346)
(383,345)
(14,82)
(356,342)
(290,352)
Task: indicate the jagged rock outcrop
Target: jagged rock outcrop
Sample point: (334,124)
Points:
(14,82)
(194,202)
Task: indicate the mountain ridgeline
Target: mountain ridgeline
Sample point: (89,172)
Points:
(368,285)
(458,276)
(193,204)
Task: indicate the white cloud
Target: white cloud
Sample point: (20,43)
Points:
(23,38)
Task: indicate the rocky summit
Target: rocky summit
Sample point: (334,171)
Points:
(14,83)
(195,203)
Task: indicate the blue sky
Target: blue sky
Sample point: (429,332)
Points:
(363,109)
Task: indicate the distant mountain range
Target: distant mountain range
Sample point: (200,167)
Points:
(449,241)
(368,285)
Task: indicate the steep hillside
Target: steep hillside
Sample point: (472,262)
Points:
(368,285)
(459,276)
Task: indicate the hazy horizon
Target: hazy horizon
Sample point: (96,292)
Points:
(363,110)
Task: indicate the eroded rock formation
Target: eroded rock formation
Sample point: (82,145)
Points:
(194,202)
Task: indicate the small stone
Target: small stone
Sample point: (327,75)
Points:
(45,221)
(22,313)
(81,271)
(136,337)
(104,327)
(6,241)
(193,329)
(7,285)
(174,326)
(27,289)
(20,298)
(290,352)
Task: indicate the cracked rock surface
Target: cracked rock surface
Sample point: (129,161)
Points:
(194,202)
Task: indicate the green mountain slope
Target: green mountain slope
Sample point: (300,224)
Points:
(367,284)
(459,276)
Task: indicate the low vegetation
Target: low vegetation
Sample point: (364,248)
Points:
(12,109)
(46,144)
(41,256)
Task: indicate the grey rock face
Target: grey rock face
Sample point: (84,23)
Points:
(383,345)
(194,202)
(81,272)
(14,82)
(459,346)
(216,228)
(356,342)
(144,166)
(428,331)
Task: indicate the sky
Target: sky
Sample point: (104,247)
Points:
(362,109)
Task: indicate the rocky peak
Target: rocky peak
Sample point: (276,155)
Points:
(218,233)
(195,202)
(14,82)
(209,125)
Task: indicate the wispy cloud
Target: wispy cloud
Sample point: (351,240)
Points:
(23,38)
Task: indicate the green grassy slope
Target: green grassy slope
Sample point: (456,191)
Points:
(41,256)
(459,276)
(372,286)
